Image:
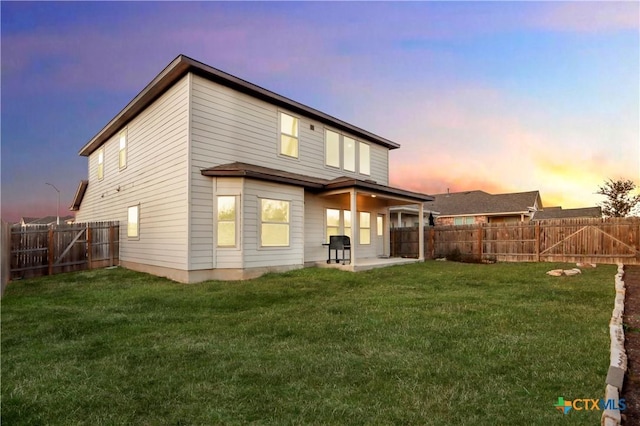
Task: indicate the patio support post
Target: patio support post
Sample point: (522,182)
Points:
(421,232)
(355,226)
(399,219)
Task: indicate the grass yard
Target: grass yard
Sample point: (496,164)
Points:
(437,343)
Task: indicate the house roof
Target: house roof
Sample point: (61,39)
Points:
(560,213)
(182,65)
(77,199)
(482,203)
(309,182)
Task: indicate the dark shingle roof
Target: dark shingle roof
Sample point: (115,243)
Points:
(182,65)
(311,183)
(480,203)
(560,213)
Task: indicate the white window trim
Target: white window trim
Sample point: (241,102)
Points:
(341,223)
(124,132)
(236,221)
(359,158)
(137,236)
(326,145)
(361,228)
(341,147)
(99,172)
(280,133)
(260,223)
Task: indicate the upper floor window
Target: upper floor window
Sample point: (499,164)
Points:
(345,152)
(349,146)
(227,221)
(332,148)
(274,229)
(100,170)
(365,158)
(122,153)
(288,135)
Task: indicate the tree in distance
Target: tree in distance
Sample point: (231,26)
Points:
(620,201)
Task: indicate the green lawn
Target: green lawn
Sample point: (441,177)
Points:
(437,343)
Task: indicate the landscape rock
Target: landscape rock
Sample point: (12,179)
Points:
(571,272)
(555,273)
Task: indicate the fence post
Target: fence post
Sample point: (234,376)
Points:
(480,230)
(112,249)
(89,250)
(432,243)
(537,241)
(50,253)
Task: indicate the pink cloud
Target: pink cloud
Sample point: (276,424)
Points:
(589,16)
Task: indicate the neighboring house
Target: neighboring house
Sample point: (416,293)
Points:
(213,177)
(407,217)
(471,207)
(560,213)
(47,220)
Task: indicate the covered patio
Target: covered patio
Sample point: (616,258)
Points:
(362,210)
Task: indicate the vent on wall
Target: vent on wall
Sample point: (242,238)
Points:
(312,127)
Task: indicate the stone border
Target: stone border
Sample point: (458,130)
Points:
(618,364)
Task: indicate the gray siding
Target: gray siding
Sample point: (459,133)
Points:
(256,256)
(155,178)
(227,126)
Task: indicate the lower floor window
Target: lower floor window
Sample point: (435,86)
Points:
(365,228)
(133,222)
(274,229)
(338,223)
(227,221)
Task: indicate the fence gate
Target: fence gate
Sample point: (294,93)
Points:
(610,241)
(47,250)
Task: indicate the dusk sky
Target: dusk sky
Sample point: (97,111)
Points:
(496,96)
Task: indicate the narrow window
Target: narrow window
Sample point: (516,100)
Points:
(122,153)
(227,221)
(275,223)
(347,222)
(349,154)
(100,164)
(288,135)
(332,143)
(365,228)
(133,222)
(333,222)
(380,226)
(365,159)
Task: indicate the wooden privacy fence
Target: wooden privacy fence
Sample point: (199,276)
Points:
(613,240)
(52,249)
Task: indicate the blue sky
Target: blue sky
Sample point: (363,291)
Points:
(497,96)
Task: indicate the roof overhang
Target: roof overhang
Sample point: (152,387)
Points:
(182,65)
(317,185)
(77,199)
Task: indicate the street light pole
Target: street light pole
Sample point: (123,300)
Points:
(58,205)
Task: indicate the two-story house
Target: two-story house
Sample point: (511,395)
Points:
(212,177)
